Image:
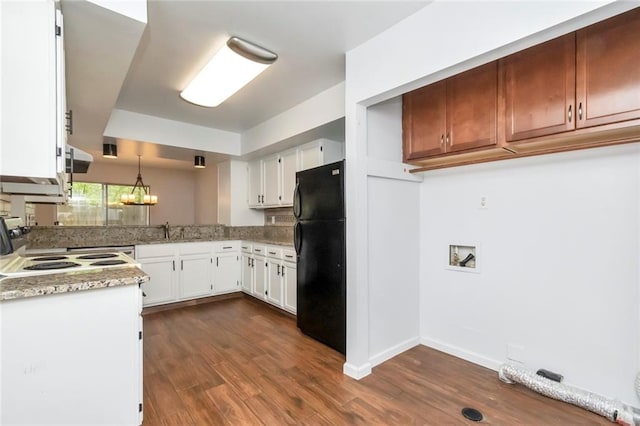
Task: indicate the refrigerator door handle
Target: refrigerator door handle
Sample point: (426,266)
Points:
(297,237)
(296,201)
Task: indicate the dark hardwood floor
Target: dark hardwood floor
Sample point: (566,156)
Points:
(239,362)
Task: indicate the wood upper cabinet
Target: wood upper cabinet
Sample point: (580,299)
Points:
(608,71)
(455,114)
(539,89)
(472,102)
(424,121)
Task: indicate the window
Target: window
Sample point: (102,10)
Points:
(96,204)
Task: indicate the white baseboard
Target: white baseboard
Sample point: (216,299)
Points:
(393,351)
(355,371)
(462,353)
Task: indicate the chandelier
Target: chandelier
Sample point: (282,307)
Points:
(132,199)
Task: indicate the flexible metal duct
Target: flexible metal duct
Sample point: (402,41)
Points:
(615,411)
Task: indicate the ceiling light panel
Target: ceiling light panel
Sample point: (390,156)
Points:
(231,68)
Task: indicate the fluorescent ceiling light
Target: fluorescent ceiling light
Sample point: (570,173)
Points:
(232,67)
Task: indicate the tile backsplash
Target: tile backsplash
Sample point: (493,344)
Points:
(282,216)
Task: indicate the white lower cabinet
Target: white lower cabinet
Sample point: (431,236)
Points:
(289,285)
(162,288)
(274,288)
(260,277)
(195,275)
(184,271)
(226,278)
(178,271)
(247,262)
(72,358)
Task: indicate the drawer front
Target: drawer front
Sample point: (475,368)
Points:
(289,255)
(194,248)
(274,252)
(227,246)
(246,247)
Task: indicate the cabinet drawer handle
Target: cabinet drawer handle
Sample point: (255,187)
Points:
(580,111)
(272,252)
(289,256)
(570,115)
(226,247)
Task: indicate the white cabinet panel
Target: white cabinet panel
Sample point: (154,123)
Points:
(256,188)
(195,276)
(289,284)
(271,181)
(288,169)
(161,288)
(29,91)
(310,156)
(75,362)
(260,277)
(247,273)
(274,288)
(226,273)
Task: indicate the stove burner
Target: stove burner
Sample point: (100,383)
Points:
(109,262)
(48,258)
(98,256)
(51,265)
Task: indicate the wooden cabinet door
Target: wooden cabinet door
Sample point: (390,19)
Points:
(260,277)
(161,288)
(256,179)
(289,283)
(288,168)
(608,71)
(274,285)
(424,121)
(247,273)
(539,89)
(271,184)
(472,102)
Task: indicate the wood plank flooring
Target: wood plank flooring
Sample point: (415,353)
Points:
(238,362)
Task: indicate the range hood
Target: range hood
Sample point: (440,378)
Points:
(48,190)
(78,161)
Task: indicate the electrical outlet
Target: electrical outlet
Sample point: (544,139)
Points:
(273,220)
(484,202)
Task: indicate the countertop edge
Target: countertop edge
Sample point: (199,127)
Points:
(43,285)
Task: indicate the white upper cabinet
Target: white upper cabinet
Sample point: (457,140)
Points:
(288,169)
(272,179)
(32,142)
(256,178)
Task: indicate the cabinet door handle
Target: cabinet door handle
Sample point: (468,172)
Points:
(278,269)
(580,111)
(282,273)
(442,139)
(182,265)
(446,142)
(258,199)
(217,262)
(174,264)
(570,114)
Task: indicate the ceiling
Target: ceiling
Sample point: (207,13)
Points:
(310,38)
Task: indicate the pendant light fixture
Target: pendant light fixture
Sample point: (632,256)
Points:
(230,69)
(198,162)
(109,150)
(132,199)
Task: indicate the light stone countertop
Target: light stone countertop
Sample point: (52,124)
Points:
(42,285)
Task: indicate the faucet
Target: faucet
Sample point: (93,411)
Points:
(182,233)
(166,231)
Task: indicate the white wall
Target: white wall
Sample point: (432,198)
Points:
(558,191)
(206,195)
(146,128)
(559,265)
(175,188)
(319,110)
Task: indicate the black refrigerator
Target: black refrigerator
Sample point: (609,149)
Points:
(319,238)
